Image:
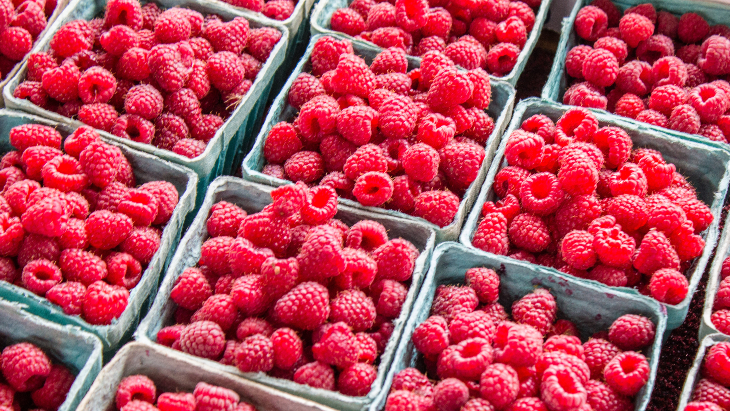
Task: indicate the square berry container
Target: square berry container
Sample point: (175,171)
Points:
(591,308)
(557,83)
(253,197)
(322,15)
(146,168)
(500,108)
(693,375)
(173,371)
(230,140)
(713,283)
(78,350)
(703,162)
(60,7)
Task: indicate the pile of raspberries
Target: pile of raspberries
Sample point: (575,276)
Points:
(21,22)
(721,309)
(407,141)
(482,360)
(139,393)
(168,78)
(293,292)
(487,34)
(576,197)
(653,67)
(274,9)
(711,393)
(73,227)
(32,380)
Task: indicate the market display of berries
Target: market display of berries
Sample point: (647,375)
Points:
(32,379)
(274,9)
(652,66)
(712,391)
(21,22)
(139,393)
(580,198)
(293,292)
(75,227)
(481,359)
(473,34)
(408,141)
(169,78)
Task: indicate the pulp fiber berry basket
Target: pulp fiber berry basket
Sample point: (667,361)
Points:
(557,83)
(591,308)
(253,197)
(500,108)
(232,138)
(146,168)
(713,282)
(79,351)
(173,371)
(693,376)
(322,15)
(703,162)
(60,6)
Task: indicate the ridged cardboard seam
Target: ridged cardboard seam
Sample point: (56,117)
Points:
(253,197)
(500,108)
(693,375)
(173,371)
(322,15)
(146,168)
(79,351)
(590,307)
(705,164)
(713,282)
(218,157)
(557,83)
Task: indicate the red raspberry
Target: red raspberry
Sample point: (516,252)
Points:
(635,77)
(398,117)
(287,348)
(249,296)
(715,363)
(528,404)
(561,389)
(669,71)
(46,217)
(72,38)
(326,54)
(103,303)
(629,210)
(541,194)
(305,166)
(591,23)
(614,247)
(668,286)
(655,48)
(281,143)
(210,397)
(142,244)
(702,406)
(469,55)
(655,253)
(665,98)
(227,36)
(181,401)
(437,207)
(396,259)
(552,359)
(692,28)
(714,58)
(101,116)
(635,28)
(491,234)
(485,283)
(524,149)
(348,21)
(450,394)
(123,270)
(304,88)
(69,295)
(461,163)
(353,76)
(468,326)
(35,246)
(56,386)
(306,306)
(316,374)
(575,125)
(509,181)
(317,118)
(627,373)
(452,300)
(353,308)
(25,366)
(255,354)
(568,344)
(61,83)
(499,384)
(189,148)
(203,339)
(449,88)
(100,163)
(598,353)
(135,387)
(629,180)
(144,101)
(537,309)
(279,9)
(709,390)
(632,332)
(601,397)
(517,344)
(574,61)
(600,67)
(191,289)
(529,232)
(225,70)
(39,63)
(32,91)
(577,250)
(81,266)
(432,336)
(337,346)
(16,43)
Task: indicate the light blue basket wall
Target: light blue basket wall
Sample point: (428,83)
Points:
(590,307)
(218,157)
(694,373)
(157,362)
(322,14)
(253,197)
(713,281)
(704,163)
(79,351)
(503,97)
(557,82)
(146,168)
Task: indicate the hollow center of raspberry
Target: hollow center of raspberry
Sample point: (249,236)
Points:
(707,94)
(471,349)
(133,132)
(320,199)
(629,365)
(567,383)
(504,60)
(67,168)
(140,396)
(34,381)
(372,189)
(624,173)
(540,190)
(43,274)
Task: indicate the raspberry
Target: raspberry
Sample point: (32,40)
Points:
(468,326)
(586,95)
(491,234)
(561,389)
(576,124)
(702,406)
(469,55)
(635,77)
(69,295)
(627,373)
(600,67)
(669,71)
(142,244)
(451,394)
(57,385)
(135,387)
(61,83)
(337,346)
(499,384)
(629,105)
(598,353)
(692,28)
(81,266)
(449,88)
(191,289)
(524,149)
(72,38)
(632,332)
(574,61)
(353,76)
(577,250)
(714,58)
(709,390)
(614,247)
(16,43)
(509,181)
(101,116)
(398,117)
(656,244)
(255,354)
(356,380)
(517,344)
(317,118)
(348,21)
(203,339)
(668,286)
(306,306)
(629,210)
(25,366)
(432,336)
(559,359)
(144,101)
(391,60)
(304,88)
(281,143)
(437,207)
(537,309)
(103,303)
(353,308)
(635,28)
(39,63)
(279,9)
(602,397)
(316,374)
(210,397)
(529,232)
(541,194)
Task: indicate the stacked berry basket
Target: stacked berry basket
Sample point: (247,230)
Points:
(602,226)
(378,156)
(707,384)
(232,254)
(186,88)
